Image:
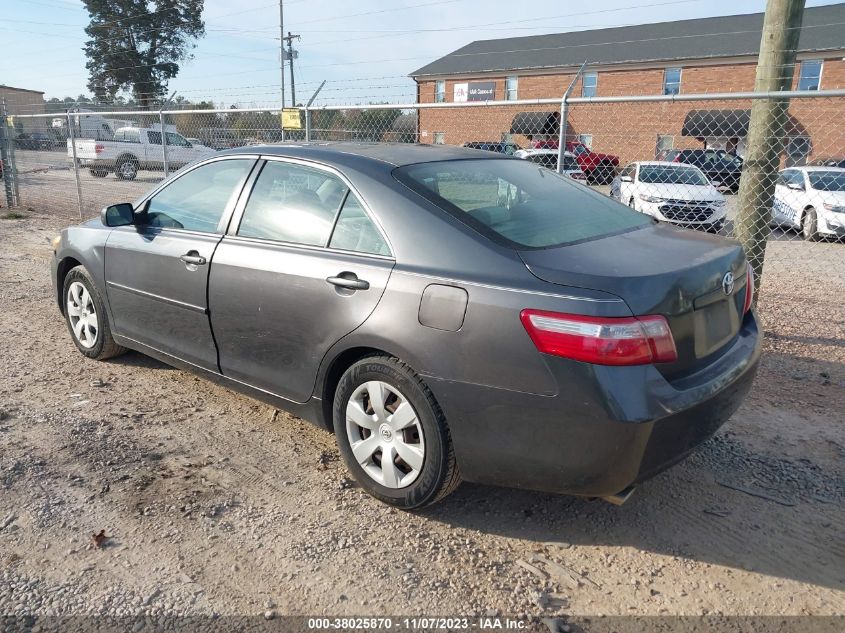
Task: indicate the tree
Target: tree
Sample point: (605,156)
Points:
(137,45)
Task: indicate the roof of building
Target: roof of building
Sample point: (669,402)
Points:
(5,87)
(702,38)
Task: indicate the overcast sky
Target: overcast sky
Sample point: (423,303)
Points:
(365,49)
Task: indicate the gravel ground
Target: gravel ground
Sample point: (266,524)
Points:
(211,503)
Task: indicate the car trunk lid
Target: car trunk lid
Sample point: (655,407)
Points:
(663,270)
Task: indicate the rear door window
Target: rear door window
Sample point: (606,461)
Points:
(355,231)
(517,203)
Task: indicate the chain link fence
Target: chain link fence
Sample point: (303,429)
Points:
(678,158)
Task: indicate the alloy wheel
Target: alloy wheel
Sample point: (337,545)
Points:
(82,315)
(385,434)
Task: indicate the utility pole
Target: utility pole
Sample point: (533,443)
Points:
(775,69)
(282,51)
(291,52)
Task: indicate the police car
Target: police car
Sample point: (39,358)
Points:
(811,199)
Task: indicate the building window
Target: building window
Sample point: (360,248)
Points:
(665,142)
(439,138)
(672,81)
(586,140)
(589,84)
(511,84)
(439,91)
(810,77)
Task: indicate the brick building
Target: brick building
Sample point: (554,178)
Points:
(684,57)
(22,101)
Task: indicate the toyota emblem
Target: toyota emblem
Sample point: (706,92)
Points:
(728,283)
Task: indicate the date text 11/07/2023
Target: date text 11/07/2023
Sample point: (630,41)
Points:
(417,623)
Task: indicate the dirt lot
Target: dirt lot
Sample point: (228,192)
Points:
(214,503)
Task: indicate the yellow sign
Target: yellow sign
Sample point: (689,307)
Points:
(290,119)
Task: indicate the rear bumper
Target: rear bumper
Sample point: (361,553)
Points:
(605,429)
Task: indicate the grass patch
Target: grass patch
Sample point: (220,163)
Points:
(13,215)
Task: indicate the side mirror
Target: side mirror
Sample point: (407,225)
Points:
(626,179)
(122,214)
(795,186)
(716,183)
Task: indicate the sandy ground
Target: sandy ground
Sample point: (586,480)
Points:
(216,504)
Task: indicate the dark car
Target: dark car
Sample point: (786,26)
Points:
(717,165)
(35,140)
(493,146)
(449,314)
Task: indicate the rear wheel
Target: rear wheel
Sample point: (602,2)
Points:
(126,169)
(809,225)
(86,317)
(604,173)
(393,435)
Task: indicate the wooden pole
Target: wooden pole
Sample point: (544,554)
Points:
(766,131)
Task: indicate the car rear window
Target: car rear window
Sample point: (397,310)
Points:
(518,203)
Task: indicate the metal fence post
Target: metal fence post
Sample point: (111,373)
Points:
(163,143)
(564,116)
(9,172)
(72,137)
(308,111)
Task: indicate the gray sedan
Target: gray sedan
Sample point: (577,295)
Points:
(448,313)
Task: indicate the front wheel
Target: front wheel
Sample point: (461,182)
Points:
(809,225)
(86,317)
(393,435)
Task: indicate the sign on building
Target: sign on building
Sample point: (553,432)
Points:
(474,91)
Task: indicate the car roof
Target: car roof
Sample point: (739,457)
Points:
(662,163)
(816,168)
(393,154)
(542,150)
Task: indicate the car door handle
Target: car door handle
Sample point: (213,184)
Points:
(350,283)
(193,257)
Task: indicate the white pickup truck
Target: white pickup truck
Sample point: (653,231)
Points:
(134,149)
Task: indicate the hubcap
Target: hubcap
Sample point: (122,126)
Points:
(82,315)
(385,434)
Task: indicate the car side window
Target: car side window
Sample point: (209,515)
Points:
(293,203)
(355,231)
(153,138)
(197,200)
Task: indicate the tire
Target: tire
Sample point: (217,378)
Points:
(604,173)
(809,225)
(424,435)
(126,169)
(81,301)
(99,173)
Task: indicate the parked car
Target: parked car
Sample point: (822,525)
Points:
(671,192)
(548,158)
(829,162)
(36,141)
(811,199)
(219,138)
(134,149)
(717,165)
(524,332)
(599,168)
(493,146)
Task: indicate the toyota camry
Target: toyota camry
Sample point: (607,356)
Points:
(449,315)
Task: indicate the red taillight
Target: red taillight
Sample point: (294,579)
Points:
(98,148)
(749,288)
(601,340)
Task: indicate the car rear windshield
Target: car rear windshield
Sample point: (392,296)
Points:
(671,175)
(518,203)
(827,180)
